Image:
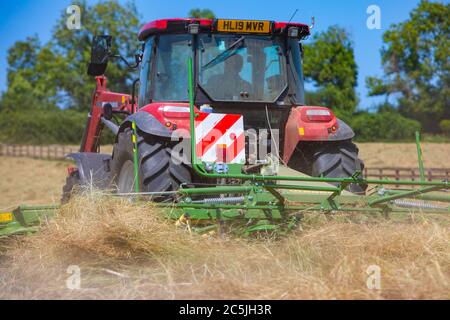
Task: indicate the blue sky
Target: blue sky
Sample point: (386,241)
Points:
(21,18)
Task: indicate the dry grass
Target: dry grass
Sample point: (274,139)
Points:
(328,259)
(30,181)
(435,155)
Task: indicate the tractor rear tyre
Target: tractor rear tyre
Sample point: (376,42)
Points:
(337,159)
(158,170)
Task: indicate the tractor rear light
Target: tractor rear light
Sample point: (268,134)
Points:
(319,115)
(333,129)
(175,112)
(175,109)
(71,170)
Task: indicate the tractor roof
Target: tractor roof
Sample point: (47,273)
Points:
(180,25)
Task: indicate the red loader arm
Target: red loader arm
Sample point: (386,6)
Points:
(120,103)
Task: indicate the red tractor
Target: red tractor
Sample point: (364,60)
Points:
(248,77)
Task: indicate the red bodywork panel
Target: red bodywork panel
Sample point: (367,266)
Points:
(172,115)
(161,25)
(300,127)
(94,126)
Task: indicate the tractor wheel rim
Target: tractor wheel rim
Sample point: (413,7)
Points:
(125,182)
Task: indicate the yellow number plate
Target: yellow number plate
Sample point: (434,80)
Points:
(6,217)
(248,26)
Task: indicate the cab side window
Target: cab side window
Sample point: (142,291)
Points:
(171,78)
(145,76)
(273,75)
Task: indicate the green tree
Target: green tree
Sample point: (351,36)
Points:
(416,64)
(445,126)
(201,13)
(54,75)
(30,87)
(59,126)
(107,17)
(385,125)
(330,66)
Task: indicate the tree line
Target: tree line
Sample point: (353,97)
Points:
(48,91)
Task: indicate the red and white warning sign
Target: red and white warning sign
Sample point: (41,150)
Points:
(220,137)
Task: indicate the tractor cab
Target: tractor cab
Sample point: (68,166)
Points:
(240,66)
(235,61)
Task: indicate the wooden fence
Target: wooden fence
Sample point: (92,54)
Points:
(407,173)
(57,152)
(50,152)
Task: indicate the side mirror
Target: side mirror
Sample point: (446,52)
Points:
(100,52)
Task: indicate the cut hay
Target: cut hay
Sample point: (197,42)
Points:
(128,251)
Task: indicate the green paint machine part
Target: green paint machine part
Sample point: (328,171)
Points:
(25,219)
